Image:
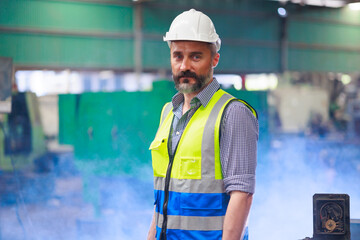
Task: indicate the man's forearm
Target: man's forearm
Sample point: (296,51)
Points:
(152,229)
(236,215)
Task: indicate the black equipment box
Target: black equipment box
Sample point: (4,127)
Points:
(331,216)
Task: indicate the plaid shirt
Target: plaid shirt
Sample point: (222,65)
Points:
(239,132)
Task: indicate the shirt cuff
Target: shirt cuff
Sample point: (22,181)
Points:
(244,183)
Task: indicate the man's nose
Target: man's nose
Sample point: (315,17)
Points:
(185,64)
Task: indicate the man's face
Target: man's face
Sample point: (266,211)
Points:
(192,65)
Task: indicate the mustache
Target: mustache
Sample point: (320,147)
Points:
(187,73)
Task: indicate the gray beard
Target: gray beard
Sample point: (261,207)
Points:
(185,87)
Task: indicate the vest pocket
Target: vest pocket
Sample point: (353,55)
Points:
(190,168)
(159,155)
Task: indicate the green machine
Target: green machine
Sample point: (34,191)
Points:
(25,170)
(111,132)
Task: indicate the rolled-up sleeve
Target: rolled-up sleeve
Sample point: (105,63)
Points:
(238,148)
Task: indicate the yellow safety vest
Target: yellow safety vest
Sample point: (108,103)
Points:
(189,191)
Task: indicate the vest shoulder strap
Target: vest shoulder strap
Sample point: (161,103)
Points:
(253,111)
(165,111)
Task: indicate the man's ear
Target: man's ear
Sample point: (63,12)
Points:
(215,60)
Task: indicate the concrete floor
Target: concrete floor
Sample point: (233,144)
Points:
(66,216)
(54,219)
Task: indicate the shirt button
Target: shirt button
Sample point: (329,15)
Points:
(177,133)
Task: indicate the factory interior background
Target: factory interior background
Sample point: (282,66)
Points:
(83,82)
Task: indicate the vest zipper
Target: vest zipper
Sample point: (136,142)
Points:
(167,181)
(166,198)
(167,185)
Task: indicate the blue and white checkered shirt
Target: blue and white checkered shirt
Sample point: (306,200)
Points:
(239,132)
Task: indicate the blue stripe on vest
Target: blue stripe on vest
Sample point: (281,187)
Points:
(193,204)
(177,234)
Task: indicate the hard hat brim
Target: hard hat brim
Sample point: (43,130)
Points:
(168,39)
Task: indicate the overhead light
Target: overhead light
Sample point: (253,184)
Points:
(282,12)
(354,6)
(319,3)
(334,4)
(326,3)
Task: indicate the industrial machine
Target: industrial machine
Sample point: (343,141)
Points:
(353,111)
(25,164)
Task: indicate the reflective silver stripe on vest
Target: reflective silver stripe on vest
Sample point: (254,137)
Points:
(166,111)
(208,144)
(207,183)
(191,185)
(191,222)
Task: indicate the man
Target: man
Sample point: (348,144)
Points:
(204,153)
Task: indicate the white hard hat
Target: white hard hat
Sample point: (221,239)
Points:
(193,25)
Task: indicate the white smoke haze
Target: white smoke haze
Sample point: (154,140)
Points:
(111,208)
(289,173)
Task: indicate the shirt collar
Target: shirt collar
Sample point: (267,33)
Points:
(204,96)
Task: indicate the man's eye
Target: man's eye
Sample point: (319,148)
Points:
(197,57)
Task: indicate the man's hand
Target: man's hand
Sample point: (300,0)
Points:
(236,215)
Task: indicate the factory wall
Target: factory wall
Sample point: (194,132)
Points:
(125,35)
(67,34)
(323,40)
(249,31)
